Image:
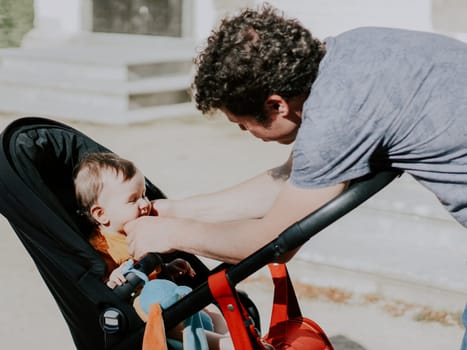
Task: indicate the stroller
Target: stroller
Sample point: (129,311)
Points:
(37,156)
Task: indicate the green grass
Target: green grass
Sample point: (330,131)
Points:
(16,19)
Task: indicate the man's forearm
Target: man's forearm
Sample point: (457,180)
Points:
(229,241)
(247,200)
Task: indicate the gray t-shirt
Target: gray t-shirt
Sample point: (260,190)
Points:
(388,98)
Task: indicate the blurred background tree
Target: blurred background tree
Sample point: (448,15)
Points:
(16,19)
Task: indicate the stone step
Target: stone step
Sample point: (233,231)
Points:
(88,104)
(100,83)
(84,112)
(96,63)
(101,54)
(178,82)
(417,241)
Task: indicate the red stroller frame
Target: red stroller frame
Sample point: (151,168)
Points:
(72,269)
(288,329)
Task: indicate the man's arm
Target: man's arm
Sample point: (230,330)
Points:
(227,241)
(247,200)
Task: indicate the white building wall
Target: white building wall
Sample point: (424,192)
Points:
(331,17)
(56,21)
(59,20)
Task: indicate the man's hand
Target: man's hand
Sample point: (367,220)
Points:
(228,241)
(151,234)
(161,207)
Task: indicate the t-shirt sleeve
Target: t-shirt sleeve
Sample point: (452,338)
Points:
(335,143)
(347,114)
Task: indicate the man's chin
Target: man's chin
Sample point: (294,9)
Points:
(282,141)
(286,141)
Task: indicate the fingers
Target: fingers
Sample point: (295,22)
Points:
(129,228)
(180,267)
(191,272)
(161,207)
(116,279)
(135,251)
(154,210)
(111,284)
(131,246)
(148,234)
(132,240)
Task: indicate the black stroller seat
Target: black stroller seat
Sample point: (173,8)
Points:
(37,157)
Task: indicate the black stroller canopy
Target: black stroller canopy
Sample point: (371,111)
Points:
(37,157)
(40,157)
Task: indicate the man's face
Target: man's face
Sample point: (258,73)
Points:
(280,129)
(122,201)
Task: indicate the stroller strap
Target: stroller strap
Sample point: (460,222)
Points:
(285,301)
(241,327)
(288,328)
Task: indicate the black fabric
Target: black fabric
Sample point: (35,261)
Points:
(37,157)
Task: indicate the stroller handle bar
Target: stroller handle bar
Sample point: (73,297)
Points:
(290,239)
(299,233)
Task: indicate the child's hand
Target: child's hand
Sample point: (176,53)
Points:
(116,278)
(179,267)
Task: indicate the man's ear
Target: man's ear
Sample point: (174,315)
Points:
(276,106)
(97,212)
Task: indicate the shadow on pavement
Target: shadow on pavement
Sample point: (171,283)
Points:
(341,342)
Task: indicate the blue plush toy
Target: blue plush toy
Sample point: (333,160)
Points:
(165,293)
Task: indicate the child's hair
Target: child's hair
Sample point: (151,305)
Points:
(87,178)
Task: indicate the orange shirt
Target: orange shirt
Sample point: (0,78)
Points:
(112,247)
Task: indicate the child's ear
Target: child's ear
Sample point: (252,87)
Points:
(97,212)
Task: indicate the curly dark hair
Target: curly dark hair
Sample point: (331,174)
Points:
(252,56)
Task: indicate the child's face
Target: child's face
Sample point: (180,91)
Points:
(121,201)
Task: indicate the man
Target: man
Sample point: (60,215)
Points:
(365,100)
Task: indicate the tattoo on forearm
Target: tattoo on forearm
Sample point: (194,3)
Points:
(281,173)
